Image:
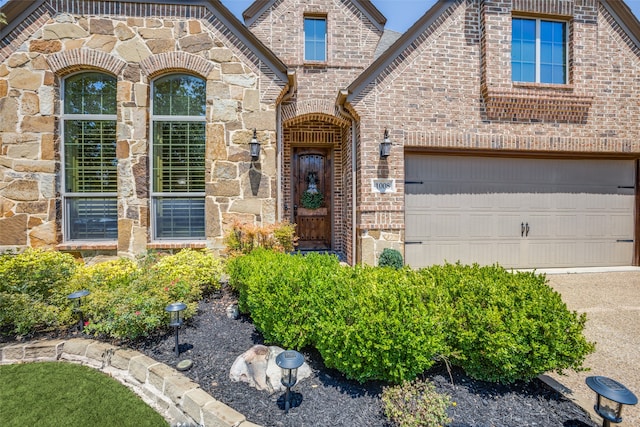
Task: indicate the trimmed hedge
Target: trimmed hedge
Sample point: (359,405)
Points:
(387,324)
(509,326)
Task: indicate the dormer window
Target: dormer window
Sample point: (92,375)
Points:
(539,51)
(315,39)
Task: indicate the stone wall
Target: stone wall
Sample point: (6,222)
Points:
(135,45)
(450,91)
(173,395)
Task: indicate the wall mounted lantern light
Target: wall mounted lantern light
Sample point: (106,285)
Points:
(611,397)
(289,361)
(385,145)
(175,311)
(254,146)
(77,297)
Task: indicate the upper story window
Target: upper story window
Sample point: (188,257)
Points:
(178,152)
(315,39)
(89,180)
(539,51)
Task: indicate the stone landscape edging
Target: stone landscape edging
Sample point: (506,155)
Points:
(178,399)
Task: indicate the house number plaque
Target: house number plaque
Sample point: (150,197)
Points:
(383,185)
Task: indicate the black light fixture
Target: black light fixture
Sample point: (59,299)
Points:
(254,146)
(77,297)
(385,145)
(289,361)
(611,397)
(175,311)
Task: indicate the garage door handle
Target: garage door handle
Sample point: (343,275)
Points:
(412,243)
(522,229)
(526,230)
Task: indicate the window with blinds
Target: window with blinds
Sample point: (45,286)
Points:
(89,151)
(178,153)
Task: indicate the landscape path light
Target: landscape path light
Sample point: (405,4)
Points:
(77,297)
(175,310)
(611,397)
(289,361)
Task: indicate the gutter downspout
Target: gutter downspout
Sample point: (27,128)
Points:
(340,104)
(291,90)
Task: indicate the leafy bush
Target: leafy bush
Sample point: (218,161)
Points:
(368,323)
(415,404)
(283,295)
(128,299)
(243,238)
(32,296)
(387,324)
(509,327)
(390,258)
(379,324)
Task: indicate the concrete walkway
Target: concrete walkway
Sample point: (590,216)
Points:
(611,301)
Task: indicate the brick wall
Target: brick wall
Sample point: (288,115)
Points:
(351,42)
(451,91)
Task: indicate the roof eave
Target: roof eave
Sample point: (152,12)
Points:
(248,38)
(257,8)
(16,10)
(397,48)
(253,12)
(374,14)
(625,17)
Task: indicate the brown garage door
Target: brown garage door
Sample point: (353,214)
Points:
(520,213)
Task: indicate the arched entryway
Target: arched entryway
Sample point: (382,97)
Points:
(317,182)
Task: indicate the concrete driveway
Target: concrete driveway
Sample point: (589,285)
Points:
(612,303)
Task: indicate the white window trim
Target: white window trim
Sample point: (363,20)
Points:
(66,231)
(538,48)
(326,41)
(156,194)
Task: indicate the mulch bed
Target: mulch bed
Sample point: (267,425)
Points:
(213,341)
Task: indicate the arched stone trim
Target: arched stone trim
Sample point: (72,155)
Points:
(315,109)
(176,61)
(69,61)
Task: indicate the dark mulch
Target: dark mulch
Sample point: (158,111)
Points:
(213,341)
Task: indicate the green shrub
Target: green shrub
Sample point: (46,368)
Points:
(509,327)
(415,404)
(390,258)
(380,324)
(281,292)
(33,294)
(243,238)
(387,324)
(189,273)
(128,299)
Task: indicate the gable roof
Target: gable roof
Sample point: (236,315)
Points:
(253,12)
(18,10)
(618,9)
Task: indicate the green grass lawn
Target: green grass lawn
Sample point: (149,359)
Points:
(65,394)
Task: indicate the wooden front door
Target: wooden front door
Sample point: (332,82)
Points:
(312,197)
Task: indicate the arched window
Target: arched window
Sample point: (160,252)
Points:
(178,154)
(90,165)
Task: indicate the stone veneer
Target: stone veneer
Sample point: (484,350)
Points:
(135,43)
(173,395)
